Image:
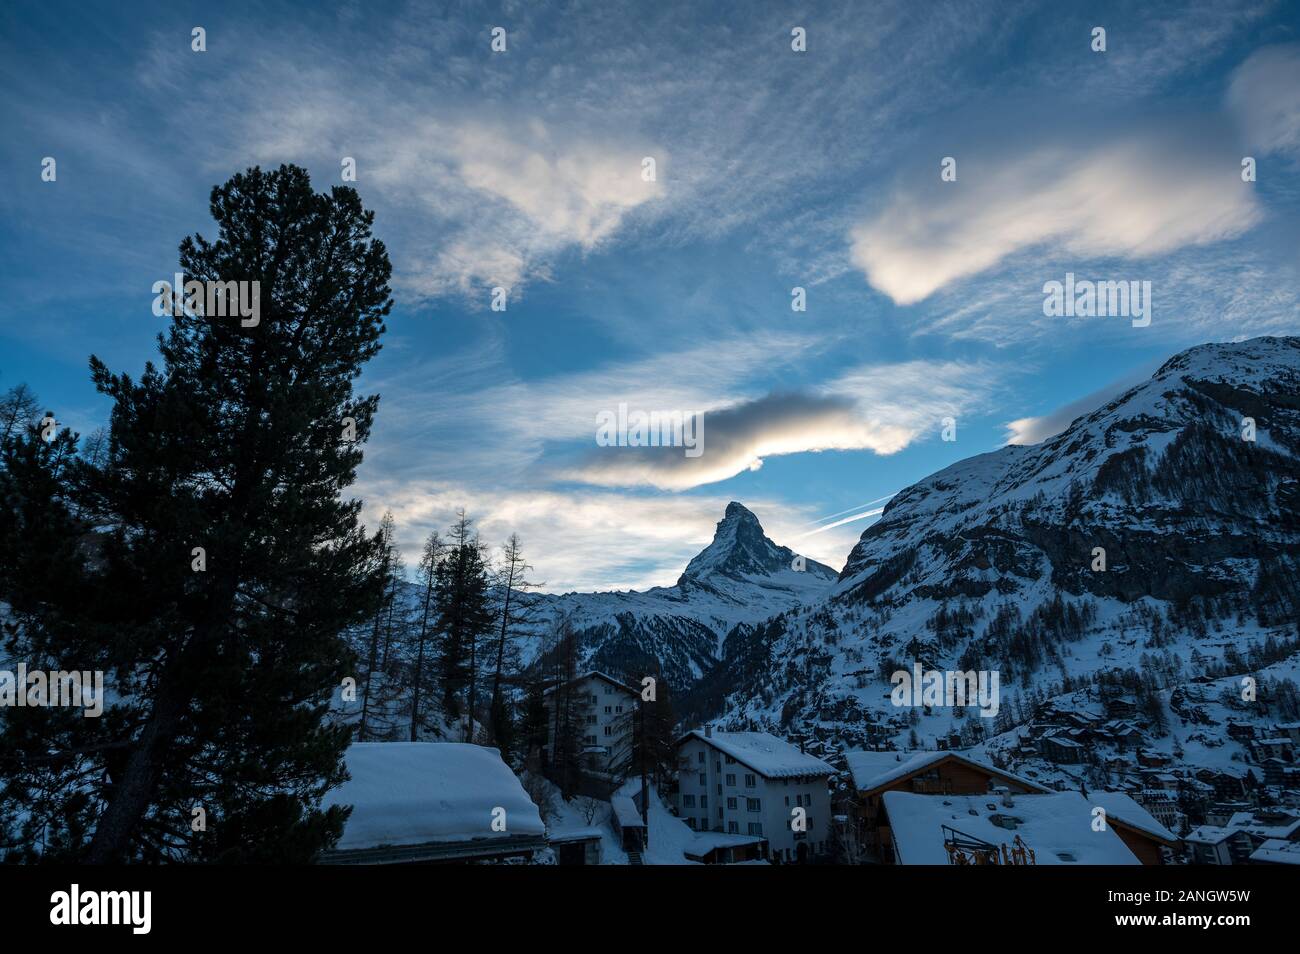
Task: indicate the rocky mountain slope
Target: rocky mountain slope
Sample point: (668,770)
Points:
(1157,536)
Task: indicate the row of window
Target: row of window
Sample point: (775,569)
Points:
(733,828)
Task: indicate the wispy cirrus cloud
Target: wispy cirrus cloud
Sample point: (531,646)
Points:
(1264,94)
(1138,197)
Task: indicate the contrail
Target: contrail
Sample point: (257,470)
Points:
(832,516)
(839,523)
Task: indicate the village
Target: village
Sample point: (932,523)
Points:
(750,797)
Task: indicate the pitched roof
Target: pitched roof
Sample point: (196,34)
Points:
(1124,810)
(1278,851)
(597,674)
(874,770)
(764,753)
(1056,826)
(413,793)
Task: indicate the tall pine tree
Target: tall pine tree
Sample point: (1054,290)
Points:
(227,561)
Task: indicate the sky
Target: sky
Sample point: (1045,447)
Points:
(525,170)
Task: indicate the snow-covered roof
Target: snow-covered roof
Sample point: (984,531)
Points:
(871,770)
(413,793)
(764,753)
(1057,827)
(597,674)
(1211,834)
(626,812)
(1279,851)
(1123,809)
(706,841)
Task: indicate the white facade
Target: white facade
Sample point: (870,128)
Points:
(718,791)
(605,710)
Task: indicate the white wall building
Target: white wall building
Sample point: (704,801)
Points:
(752,783)
(606,711)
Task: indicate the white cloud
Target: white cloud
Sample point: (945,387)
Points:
(881,408)
(1136,198)
(1264,94)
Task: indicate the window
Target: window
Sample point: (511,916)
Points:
(591,740)
(704,824)
(733,828)
(787,799)
(618,709)
(719,788)
(730,760)
(704,801)
(717,765)
(688,801)
(756,828)
(591,720)
(731,780)
(719,811)
(609,730)
(731,803)
(703,780)
(750,782)
(701,758)
(754,804)
(607,709)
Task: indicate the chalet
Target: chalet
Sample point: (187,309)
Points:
(1288,730)
(754,784)
(1276,748)
(1226,786)
(930,773)
(1243,732)
(1121,707)
(1152,760)
(605,709)
(1039,829)
(1274,770)
(432,802)
(1121,733)
(1061,749)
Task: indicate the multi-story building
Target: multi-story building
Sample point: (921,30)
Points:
(754,784)
(605,711)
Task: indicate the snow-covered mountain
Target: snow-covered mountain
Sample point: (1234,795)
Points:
(740,579)
(1158,534)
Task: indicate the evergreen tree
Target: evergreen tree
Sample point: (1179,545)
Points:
(426,577)
(227,562)
(659,735)
(464,618)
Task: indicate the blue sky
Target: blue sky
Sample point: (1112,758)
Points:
(774,169)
